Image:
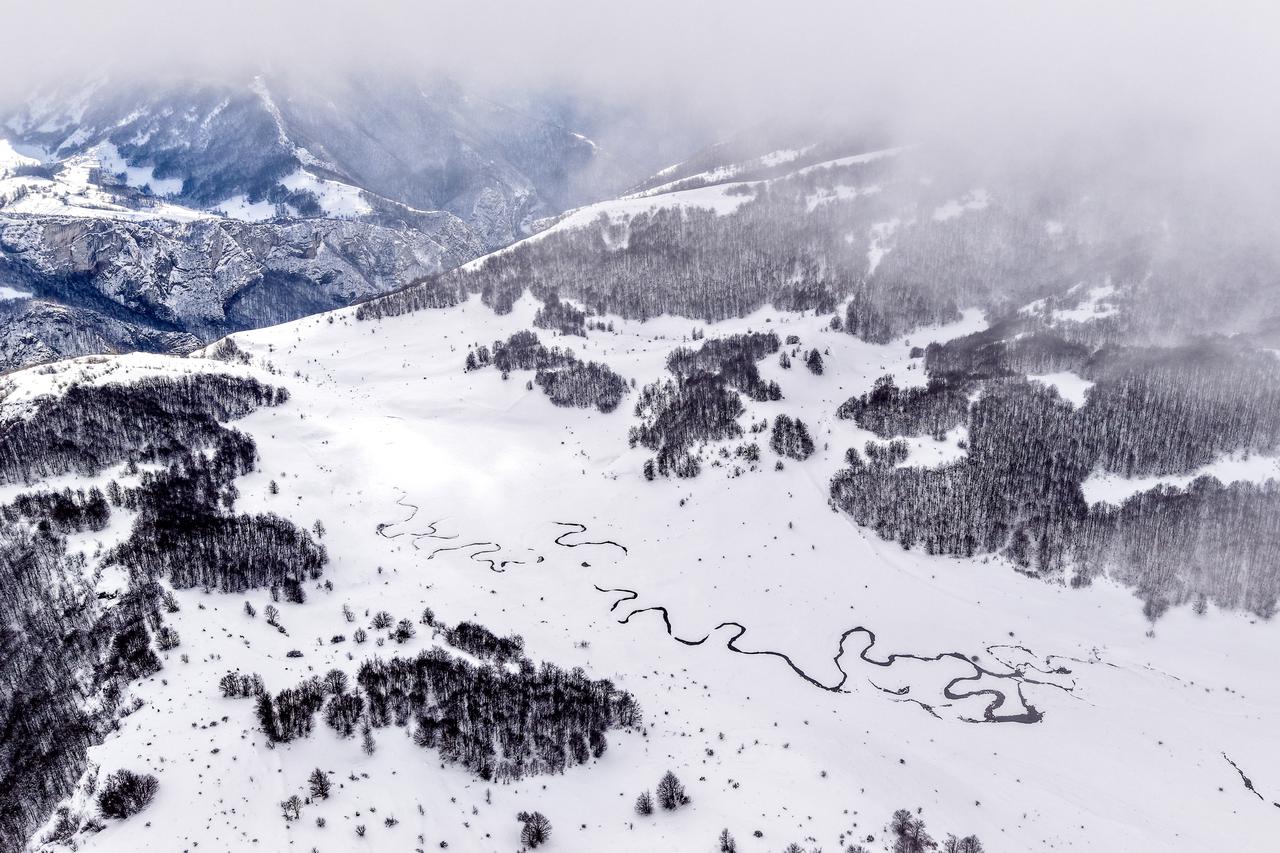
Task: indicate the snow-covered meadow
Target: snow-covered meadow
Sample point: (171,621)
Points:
(480,499)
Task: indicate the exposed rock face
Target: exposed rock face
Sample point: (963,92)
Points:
(158,218)
(433,147)
(103,285)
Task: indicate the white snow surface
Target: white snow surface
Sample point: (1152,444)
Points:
(383,419)
(1070,386)
(976,200)
(11,158)
(338,199)
(1105,487)
(72,192)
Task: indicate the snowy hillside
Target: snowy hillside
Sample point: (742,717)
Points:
(270,145)
(111,188)
(841,677)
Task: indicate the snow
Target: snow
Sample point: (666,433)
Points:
(336,198)
(71,192)
(717,199)
(1091,309)
(382,416)
(857,159)
(976,200)
(582,138)
(135,176)
(239,207)
(928,452)
(1070,386)
(11,158)
(8,294)
(838,193)
(1105,487)
(880,234)
(1093,306)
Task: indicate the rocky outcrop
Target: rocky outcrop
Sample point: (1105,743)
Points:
(104,285)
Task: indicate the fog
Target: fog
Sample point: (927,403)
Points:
(1151,82)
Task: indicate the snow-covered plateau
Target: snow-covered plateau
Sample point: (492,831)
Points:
(841,677)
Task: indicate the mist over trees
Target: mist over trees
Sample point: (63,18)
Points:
(1017,491)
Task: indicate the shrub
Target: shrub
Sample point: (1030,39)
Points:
(126,793)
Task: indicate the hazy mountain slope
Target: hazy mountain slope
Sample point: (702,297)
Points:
(197,208)
(432,147)
(897,238)
(170,283)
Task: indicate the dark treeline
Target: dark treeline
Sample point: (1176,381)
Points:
(1008,347)
(700,405)
(564,379)
(899,259)
(889,411)
(733,358)
(1171,410)
(1205,543)
(68,652)
(500,724)
(1018,490)
(82,430)
(60,648)
(186,532)
(561,317)
(582,385)
(777,248)
(678,415)
(790,437)
(477,640)
(62,512)
(420,296)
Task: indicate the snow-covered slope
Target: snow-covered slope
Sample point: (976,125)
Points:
(264,144)
(476,497)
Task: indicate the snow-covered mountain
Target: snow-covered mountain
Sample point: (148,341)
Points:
(272,145)
(874,496)
(130,214)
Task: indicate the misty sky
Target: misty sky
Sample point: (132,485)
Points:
(979,71)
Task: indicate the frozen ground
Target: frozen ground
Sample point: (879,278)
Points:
(1135,731)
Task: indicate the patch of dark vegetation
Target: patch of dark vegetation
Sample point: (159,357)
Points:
(582,385)
(1170,410)
(790,438)
(564,379)
(479,641)
(676,416)
(701,405)
(1207,543)
(523,351)
(1009,347)
(732,358)
(888,410)
(186,533)
(501,723)
(125,793)
(422,295)
(82,431)
(1018,492)
(69,650)
(561,317)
